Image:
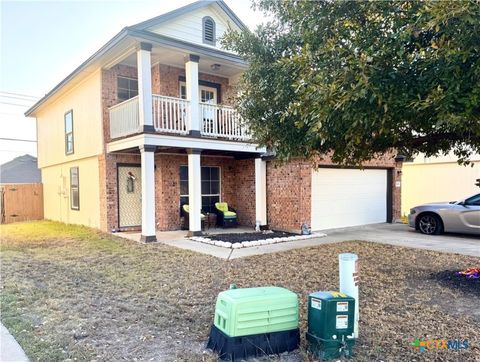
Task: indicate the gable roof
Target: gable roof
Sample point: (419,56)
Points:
(139,30)
(188,8)
(22,169)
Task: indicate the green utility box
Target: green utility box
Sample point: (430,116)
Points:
(330,324)
(247,311)
(252,322)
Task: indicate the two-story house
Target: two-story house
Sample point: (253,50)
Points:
(144,125)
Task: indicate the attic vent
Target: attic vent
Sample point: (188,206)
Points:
(208,30)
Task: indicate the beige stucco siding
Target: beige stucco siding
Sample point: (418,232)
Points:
(85,102)
(56,192)
(432,182)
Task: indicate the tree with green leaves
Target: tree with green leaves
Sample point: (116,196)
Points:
(354,79)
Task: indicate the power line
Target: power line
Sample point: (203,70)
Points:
(16,139)
(19,94)
(15,104)
(16,97)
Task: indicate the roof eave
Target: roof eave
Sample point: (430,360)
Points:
(191,47)
(109,45)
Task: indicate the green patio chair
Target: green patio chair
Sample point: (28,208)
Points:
(226,215)
(186,217)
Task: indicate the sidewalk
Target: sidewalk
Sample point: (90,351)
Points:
(10,350)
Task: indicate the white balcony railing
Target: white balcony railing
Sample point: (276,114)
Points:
(222,121)
(170,114)
(124,118)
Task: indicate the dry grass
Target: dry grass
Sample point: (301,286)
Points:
(68,292)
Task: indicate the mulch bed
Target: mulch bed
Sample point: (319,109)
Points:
(240,237)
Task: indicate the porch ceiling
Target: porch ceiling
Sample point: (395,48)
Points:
(162,141)
(175,57)
(183,151)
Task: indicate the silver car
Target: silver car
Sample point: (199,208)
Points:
(456,217)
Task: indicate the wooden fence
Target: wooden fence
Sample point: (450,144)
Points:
(21,202)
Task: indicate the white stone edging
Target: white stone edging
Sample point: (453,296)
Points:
(247,244)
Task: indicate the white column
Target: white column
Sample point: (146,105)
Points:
(144,71)
(191,82)
(194,192)
(260,192)
(148,193)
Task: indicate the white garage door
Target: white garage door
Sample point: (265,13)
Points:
(348,197)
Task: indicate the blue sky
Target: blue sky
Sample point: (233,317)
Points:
(43,41)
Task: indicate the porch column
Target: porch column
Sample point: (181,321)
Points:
(144,73)
(147,153)
(260,192)
(191,82)
(194,192)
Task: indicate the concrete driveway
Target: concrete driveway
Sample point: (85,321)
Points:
(403,235)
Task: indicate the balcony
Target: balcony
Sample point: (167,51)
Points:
(171,116)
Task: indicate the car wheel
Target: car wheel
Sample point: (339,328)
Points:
(430,224)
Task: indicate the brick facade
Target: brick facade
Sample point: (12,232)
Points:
(109,92)
(288,185)
(289,190)
(165,81)
(237,180)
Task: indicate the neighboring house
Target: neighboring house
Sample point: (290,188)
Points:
(144,126)
(434,179)
(20,170)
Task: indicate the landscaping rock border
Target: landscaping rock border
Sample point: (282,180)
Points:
(247,244)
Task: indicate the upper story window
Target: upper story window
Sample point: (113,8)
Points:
(126,88)
(208,30)
(68,119)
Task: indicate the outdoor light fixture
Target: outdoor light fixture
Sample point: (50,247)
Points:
(215,67)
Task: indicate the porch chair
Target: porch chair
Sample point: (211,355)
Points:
(186,217)
(226,215)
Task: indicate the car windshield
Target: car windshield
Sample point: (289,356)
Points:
(471,199)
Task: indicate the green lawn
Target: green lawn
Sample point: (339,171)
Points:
(68,292)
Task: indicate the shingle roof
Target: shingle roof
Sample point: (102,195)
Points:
(22,169)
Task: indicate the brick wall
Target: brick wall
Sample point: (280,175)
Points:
(165,81)
(108,187)
(288,194)
(237,180)
(109,92)
(289,190)
(237,187)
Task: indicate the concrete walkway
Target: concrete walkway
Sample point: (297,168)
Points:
(393,234)
(10,350)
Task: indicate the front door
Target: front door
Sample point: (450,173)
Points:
(129,196)
(208,110)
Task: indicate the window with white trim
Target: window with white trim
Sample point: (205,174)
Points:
(126,88)
(74,189)
(68,120)
(210,176)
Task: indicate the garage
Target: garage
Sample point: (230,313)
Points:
(348,197)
